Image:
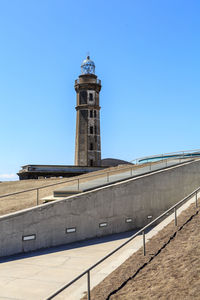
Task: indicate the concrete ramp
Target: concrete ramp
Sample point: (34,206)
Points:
(37,275)
(98,180)
(118,207)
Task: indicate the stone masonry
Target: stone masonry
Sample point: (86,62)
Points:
(88,141)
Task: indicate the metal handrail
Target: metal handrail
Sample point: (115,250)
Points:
(75,179)
(69,180)
(107,173)
(182,152)
(92,175)
(141,231)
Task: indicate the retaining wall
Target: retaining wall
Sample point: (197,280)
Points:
(135,199)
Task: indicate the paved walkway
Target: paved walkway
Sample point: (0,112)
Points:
(38,274)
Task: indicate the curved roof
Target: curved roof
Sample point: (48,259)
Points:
(113,162)
(88,66)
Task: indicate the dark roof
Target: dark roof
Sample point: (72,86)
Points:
(113,162)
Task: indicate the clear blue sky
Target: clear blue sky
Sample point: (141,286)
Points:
(147,54)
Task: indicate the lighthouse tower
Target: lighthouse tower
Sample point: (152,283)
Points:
(88,142)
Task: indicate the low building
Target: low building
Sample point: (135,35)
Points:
(48,171)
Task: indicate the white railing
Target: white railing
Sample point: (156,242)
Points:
(170,155)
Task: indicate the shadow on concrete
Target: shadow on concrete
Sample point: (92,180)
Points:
(85,243)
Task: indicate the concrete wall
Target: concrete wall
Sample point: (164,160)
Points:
(135,198)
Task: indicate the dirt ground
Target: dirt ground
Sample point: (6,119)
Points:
(28,199)
(170,270)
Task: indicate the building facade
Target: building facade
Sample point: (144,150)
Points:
(88,140)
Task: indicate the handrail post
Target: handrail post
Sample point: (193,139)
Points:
(144,246)
(107,176)
(175,217)
(78,183)
(37,196)
(131,171)
(88,284)
(196,199)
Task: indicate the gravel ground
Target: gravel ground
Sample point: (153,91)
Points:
(170,270)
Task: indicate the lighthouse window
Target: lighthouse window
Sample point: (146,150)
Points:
(83,97)
(91,130)
(90,96)
(91,114)
(95,114)
(91,146)
(91,162)
(95,129)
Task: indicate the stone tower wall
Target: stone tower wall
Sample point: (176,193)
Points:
(88,142)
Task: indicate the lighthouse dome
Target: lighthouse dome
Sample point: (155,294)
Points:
(88,66)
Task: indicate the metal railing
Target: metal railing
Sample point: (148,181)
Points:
(77,81)
(141,231)
(185,153)
(104,173)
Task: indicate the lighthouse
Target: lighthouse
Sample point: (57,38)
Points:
(88,140)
